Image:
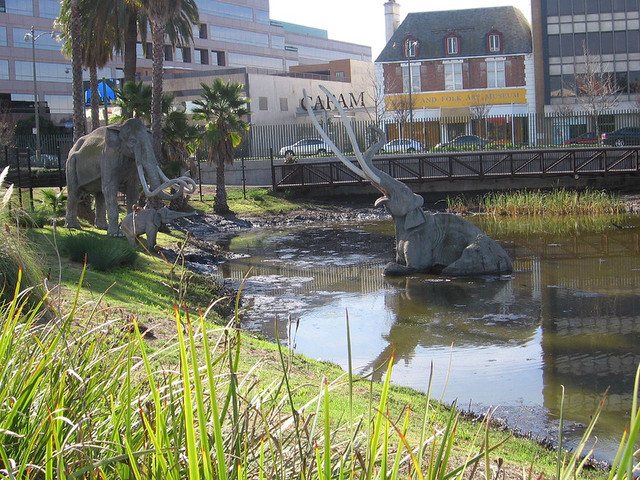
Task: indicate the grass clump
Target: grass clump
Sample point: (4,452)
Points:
(102,253)
(527,202)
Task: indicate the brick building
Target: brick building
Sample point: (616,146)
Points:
(459,72)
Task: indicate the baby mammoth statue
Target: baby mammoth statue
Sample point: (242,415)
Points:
(148,221)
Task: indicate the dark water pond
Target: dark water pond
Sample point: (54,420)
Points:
(568,316)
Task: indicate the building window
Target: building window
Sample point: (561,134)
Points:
(263,103)
(168,53)
(183,54)
(415,78)
(453,76)
(411,48)
(202,30)
(453,46)
(202,56)
(284,104)
(495,74)
(218,56)
(495,42)
(340,75)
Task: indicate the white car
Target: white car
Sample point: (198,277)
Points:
(306,146)
(401,145)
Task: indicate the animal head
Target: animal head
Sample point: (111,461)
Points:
(397,198)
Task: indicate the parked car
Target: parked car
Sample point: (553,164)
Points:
(306,146)
(401,145)
(466,142)
(622,136)
(589,138)
(47,160)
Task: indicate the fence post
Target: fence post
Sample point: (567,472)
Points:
(244,181)
(200,179)
(19,176)
(273,170)
(30,179)
(60,180)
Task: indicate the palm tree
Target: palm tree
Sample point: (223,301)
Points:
(75,32)
(134,99)
(162,13)
(222,108)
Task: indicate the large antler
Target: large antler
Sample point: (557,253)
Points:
(366,170)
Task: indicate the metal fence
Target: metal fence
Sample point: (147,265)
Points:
(503,132)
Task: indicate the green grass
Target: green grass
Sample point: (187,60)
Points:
(526,202)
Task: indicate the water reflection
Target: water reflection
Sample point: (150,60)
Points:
(568,315)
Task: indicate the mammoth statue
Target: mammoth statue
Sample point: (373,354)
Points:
(425,242)
(147,221)
(111,159)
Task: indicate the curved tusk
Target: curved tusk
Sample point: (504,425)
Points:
(329,142)
(352,137)
(188,183)
(159,190)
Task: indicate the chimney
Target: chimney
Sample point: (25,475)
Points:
(391,17)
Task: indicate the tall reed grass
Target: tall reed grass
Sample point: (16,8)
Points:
(529,202)
(86,399)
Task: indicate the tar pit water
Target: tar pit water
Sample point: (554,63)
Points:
(568,316)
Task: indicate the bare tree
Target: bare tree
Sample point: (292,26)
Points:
(478,112)
(597,88)
(376,97)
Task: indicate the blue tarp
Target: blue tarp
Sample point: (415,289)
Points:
(104,87)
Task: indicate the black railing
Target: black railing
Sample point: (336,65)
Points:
(468,165)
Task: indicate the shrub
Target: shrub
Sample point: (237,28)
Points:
(103,253)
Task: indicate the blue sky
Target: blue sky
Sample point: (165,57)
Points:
(362,21)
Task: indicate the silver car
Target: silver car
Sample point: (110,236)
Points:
(401,145)
(306,146)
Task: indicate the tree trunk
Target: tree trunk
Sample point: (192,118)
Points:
(130,37)
(220,204)
(76,70)
(157,35)
(95,97)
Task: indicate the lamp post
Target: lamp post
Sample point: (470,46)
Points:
(33,37)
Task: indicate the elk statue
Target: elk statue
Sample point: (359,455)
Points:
(440,243)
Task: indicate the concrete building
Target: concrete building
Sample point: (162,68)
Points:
(276,98)
(459,72)
(574,36)
(231,34)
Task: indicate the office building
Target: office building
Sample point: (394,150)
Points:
(230,34)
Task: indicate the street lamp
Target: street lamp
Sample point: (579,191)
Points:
(410,50)
(33,37)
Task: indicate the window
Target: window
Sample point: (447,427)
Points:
(19,7)
(495,74)
(284,104)
(410,48)
(47,72)
(45,42)
(168,53)
(218,57)
(202,30)
(3,36)
(235,35)
(201,56)
(340,74)
(452,45)
(566,44)
(552,7)
(495,45)
(453,76)
(244,60)
(183,54)
(263,103)
(415,78)
(4,69)
(214,7)
(49,8)
(554,45)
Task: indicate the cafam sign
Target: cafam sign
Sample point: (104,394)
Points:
(323,102)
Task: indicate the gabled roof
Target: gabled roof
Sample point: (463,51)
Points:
(471,25)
